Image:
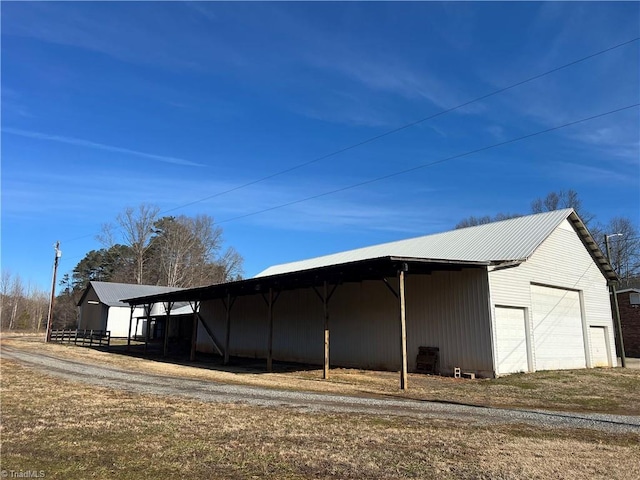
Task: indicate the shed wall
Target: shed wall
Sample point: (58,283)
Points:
(561,261)
(92,316)
(118,321)
(448,310)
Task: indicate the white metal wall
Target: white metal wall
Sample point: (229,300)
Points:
(561,261)
(118,321)
(448,310)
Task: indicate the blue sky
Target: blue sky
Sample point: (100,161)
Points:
(107,105)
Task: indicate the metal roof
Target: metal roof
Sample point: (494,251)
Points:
(506,241)
(111,293)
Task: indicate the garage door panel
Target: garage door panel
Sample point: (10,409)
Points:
(511,340)
(557,328)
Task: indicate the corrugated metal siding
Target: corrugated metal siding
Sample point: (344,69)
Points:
(447,309)
(513,239)
(561,261)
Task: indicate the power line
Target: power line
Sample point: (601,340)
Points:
(430,164)
(403,127)
(390,132)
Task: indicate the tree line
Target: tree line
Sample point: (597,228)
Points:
(142,247)
(22,306)
(624,249)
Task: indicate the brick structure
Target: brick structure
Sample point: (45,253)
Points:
(630,320)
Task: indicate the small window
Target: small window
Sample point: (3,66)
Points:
(634,298)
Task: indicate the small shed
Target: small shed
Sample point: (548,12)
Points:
(629,308)
(101,308)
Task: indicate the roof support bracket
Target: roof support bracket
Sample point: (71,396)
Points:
(386,282)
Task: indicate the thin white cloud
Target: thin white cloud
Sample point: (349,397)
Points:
(597,174)
(99,146)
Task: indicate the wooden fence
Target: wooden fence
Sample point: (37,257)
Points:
(85,338)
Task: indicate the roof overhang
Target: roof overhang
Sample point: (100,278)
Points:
(594,249)
(370,269)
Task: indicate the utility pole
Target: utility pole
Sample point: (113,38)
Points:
(47,337)
(614,299)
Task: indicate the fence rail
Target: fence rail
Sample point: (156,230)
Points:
(85,338)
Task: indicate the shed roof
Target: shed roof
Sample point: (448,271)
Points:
(510,240)
(627,290)
(111,293)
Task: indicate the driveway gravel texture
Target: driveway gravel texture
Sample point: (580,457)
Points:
(312,402)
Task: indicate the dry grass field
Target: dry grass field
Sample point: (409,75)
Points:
(71,430)
(595,390)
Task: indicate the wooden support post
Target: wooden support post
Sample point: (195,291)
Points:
(227,337)
(147,311)
(270,344)
(167,323)
(325,371)
(194,333)
(403,331)
(130,323)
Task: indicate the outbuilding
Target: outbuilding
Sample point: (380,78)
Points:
(100,307)
(520,295)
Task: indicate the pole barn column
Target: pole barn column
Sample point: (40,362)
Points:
(130,323)
(325,371)
(194,332)
(403,331)
(227,338)
(167,323)
(270,344)
(147,311)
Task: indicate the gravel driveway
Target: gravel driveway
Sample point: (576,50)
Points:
(313,402)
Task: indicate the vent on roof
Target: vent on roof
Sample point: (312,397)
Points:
(634,298)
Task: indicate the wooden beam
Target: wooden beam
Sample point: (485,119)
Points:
(167,323)
(131,307)
(227,338)
(194,332)
(391,289)
(403,331)
(147,311)
(270,340)
(325,370)
(211,335)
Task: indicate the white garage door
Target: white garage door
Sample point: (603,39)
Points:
(511,340)
(557,328)
(599,355)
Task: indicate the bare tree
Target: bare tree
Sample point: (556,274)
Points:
(231,263)
(136,227)
(562,199)
(624,248)
(21,307)
(186,249)
(473,221)
(175,248)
